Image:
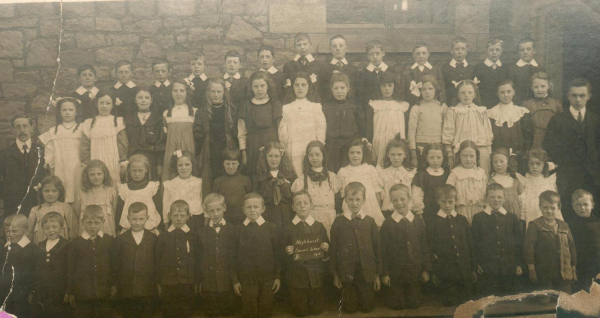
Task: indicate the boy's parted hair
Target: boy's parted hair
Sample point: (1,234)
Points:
(374,44)
(232,154)
(302,192)
(580,82)
(337,36)
(399,187)
(54,180)
(233,54)
(86,185)
(85,67)
(465,145)
(286,169)
(525,40)
(123,63)
(491,42)
(397,142)
(266,48)
(300,36)
(212,198)
(494,187)
(270,84)
(337,78)
(197,56)
(429,147)
(174,159)
(158,61)
(179,204)
(93,211)
(580,193)
(18,219)
(254,195)
(59,119)
(541,155)
(445,191)
(427,78)
(550,197)
(353,188)
(137,207)
(459,39)
(420,45)
(53,217)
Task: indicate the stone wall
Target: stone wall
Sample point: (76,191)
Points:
(103,32)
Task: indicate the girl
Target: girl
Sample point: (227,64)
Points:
(542,107)
(62,144)
(87,92)
(178,125)
(144,130)
(274,175)
(139,189)
(467,121)
(361,171)
(303,121)
(97,189)
(51,196)
(184,186)
(215,130)
(511,125)
(321,183)
(535,182)
(504,173)
(258,119)
(432,174)
(345,122)
(104,138)
(469,180)
(388,116)
(426,118)
(396,169)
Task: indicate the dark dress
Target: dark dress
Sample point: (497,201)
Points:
(345,122)
(234,188)
(147,139)
(586,234)
(429,185)
(518,137)
(50,283)
(88,105)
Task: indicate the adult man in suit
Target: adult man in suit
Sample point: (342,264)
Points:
(572,141)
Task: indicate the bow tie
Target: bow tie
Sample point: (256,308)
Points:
(303,61)
(356,216)
(217,226)
(449,217)
(378,69)
(496,212)
(339,65)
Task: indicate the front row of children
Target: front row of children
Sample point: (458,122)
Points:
(221,259)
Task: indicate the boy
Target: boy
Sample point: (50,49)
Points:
(86,93)
(405,252)
(266,57)
(490,73)
(18,259)
(521,72)
(236,83)
(306,276)
(161,90)
(214,251)
(303,62)
(338,64)
(124,89)
(457,70)
(255,260)
(450,245)
(586,233)
(176,257)
(50,283)
(134,271)
(233,185)
(549,248)
(497,245)
(356,253)
(89,275)
(198,79)
(413,73)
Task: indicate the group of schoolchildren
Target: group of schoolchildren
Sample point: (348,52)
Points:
(204,186)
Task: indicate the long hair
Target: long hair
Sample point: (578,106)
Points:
(270,85)
(262,167)
(86,185)
(141,159)
(175,158)
(397,142)
(54,180)
(101,93)
(511,159)
(541,155)
(306,163)
(144,89)
(59,119)
(311,95)
(465,145)
(427,78)
(188,98)
(423,164)
(366,149)
(227,103)
(388,78)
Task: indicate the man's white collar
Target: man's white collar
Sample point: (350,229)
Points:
(522,63)
(359,215)
(444,214)
(82,90)
(488,210)
(309,220)
(454,62)
(260,221)
(20,144)
(22,242)
(372,67)
(271,70)
(222,222)
(398,217)
(489,62)
(334,61)
(236,76)
(86,236)
(309,57)
(129,84)
(202,76)
(157,83)
(185,228)
(427,65)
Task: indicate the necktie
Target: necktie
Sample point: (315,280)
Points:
(449,217)
(378,69)
(304,61)
(162,85)
(579,118)
(494,66)
(339,65)
(496,212)
(25,146)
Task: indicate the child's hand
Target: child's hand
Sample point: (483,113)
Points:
(159,290)
(413,160)
(276,285)
(244,157)
(158,170)
(574,273)
(325,246)
(386,280)
(450,162)
(66,299)
(199,287)
(289,250)
(519,271)
(377,283)
(474,277)
(479,270)
(237,288)
(30,299)
(113,291)
(435,280)
(72,301)
(533,276)
(336,281)
(425,277)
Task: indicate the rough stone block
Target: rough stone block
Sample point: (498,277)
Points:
(42,52)
(11,44)
(76,57)
(41,101)
(151,50)
(108,24)
(27,77)
(145,8)
(78,9)
(122,38)
(86,41)
(7,10)
(80,24)
(165,41)
(278,43)
(241,31)
(110,8)
(50,28)
(257,7)
(29,10)
(109,55)
(18,63)
(203,34)
(10,108)
(17,23)
(145,26)
(18,90)
(6,71)
(234,7)
(176,7)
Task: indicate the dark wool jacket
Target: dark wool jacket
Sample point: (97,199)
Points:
(51,272)
(89,273)
(215,253)
(176,257)
(134,271)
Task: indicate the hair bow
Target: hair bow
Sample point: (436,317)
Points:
(475,81)
(511,153)
(92,95)
(178,153)
(118,101)
(58,99)
(367,141)
(415,88)
(189,83)
(313,78)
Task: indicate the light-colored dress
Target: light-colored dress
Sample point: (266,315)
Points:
(144,196)
(323,197)
(62,154)
(391,176)
(470,187)
(69,231)
(103,143)
(189,190)
(388,120)
(367,175)
(530,198)
(512,190)
(180,135)
(302,122)
(104,197)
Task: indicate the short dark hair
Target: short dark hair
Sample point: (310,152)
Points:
(337,36)
(526,40)
(300,36)
(231,154)
(161,61)
(18,116)
(580,82)
(355,187)
(181,204)
(445,190)
(551,197)
(137,207)
(122,63)
(494,187)
(301,192)
(233,54)
(266,48)
(85,67)
(253,195)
